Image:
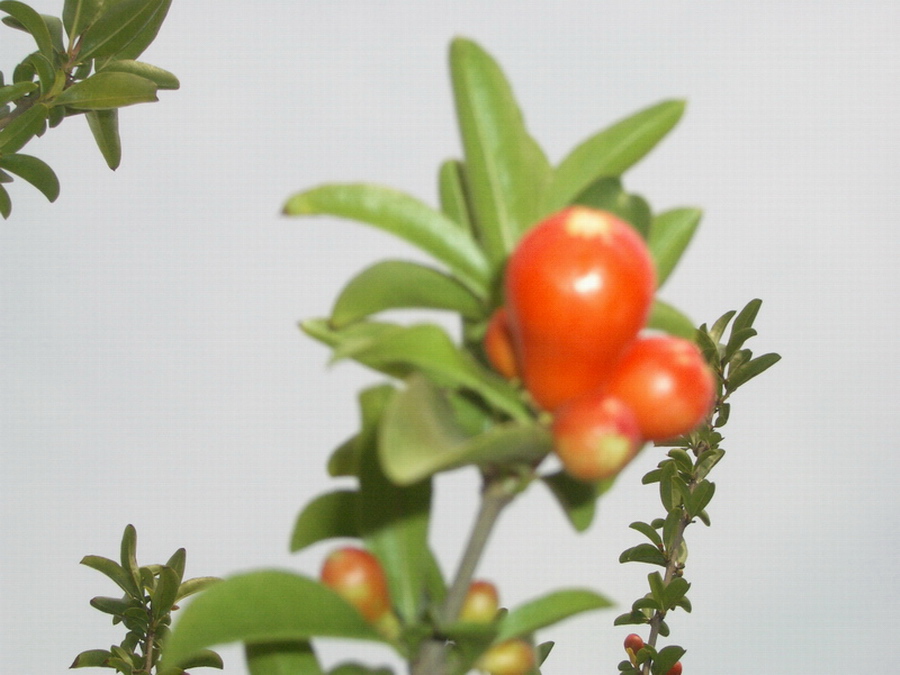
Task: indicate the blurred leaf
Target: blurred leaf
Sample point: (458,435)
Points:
(406,217)
(358,669)
(106,90)
(548,610)
(344,459)
(33,170)
(420,436)
(392,519)
(5,203)
(667,318)
(32,23)
(645,553)
(428,348)
(327,516)
(92,658)
(104,126)
(161,78)
(263,606)
(395,284)
(611,151)
(286,657)
(77,15)
(607,194)
(23,128)
(11,92)
(121,30)
(670,234)
(454,194)
(750,370)
(204,658)
(114,571)
(506,170)
(577,498)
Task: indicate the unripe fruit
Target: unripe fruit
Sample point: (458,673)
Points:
(357,577)
(675,670)
(498,345)
(634,643)
(595,437)
(579,287)
(481,604)
(512,657)
(667,383)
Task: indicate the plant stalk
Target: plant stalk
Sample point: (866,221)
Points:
(495,496)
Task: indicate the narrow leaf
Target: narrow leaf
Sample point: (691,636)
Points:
(162,78)
(667,318)
(77,15)
(5,203)
(128,554)
(454,194)
(118,25)
(32,23)
(548,610)
(750,370)
(146,35)
(747,315)
(163,595)
(22,129)
(114,571)
(404,216)
(177,562)
(104,126)
(263,606)
(506,170)
(396,284)
(195,585)
(104,91)
(92,658)
(611,151)
(287,657)
(670,234)
(328,516)
(35,171)
(11,92)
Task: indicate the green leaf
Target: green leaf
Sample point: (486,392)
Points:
(161,78)
(666,658)
(114,571)
(507,171)
(670,234)
(286,657)
(104,126)
(33,170)
(47,74)
(264,606)
(344,459)
(577,498)
(5,203)
(667,318)
(657,588)
(115,606)
(548,610)
(22,129)
(675,591)
(32,23)
(12,92)
(437,442)
(395,284)
(406,217)
(611,151)
(122,29)
(328,516)
(358,669)
(91,658)
(195,585)
(454,194)
(163,596)
(128,554)
(204,658)
(607,194)
(718,328)
(750,370)
(648,531)
(747,315)
(77,15)
(701,496)
(645,553)
(400,350)
(177,562)
(105,91)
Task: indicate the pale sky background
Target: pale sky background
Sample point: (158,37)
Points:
(152,371)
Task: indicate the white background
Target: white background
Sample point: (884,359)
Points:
(152,371)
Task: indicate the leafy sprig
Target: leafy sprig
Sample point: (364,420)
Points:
(84,65)
(145,610)
(685,490)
